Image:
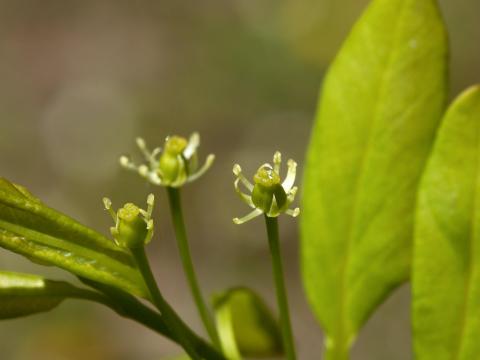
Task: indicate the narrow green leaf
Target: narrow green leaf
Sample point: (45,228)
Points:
(246,326)
(30,228)
(381,103)
(446,267)
(25,294)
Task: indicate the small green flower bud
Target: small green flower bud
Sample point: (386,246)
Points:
(172,164)
(133,226)
(176,165)
(266,176)
(174,145)
(267,188)
(269,195)
(169,168)
(131,231)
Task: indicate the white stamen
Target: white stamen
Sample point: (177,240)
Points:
(141,143)
(150,224)
(293,213)
(143,170)
(246,198)
(124,161)
(150,200)
(192,145)
(290,178)
(277,160)
(107,203)
(203,169)
(237,169)
(150,203)
(247,217)
(108,206)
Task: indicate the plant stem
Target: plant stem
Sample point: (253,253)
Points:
(155,322)
(273,240)
(337,352)
(182,242)
(172,320)
(129,307)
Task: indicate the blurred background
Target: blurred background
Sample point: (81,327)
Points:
(80,79)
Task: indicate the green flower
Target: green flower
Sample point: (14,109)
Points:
(133,226)
(176,165)
(269,195)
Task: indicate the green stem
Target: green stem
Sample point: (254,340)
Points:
(125,305)
(154,321)
(129,307)
(273,240)
(182,242)
(132,309)
(172,320)
(335,352)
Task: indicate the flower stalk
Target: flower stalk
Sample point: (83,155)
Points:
(185,255)
(281,292)
(172,320)
(173,167)
(132,231)
(272,197)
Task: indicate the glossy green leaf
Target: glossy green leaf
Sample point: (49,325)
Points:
(381,103)
(25,294)
(246,326)
(30,228)
(446,267)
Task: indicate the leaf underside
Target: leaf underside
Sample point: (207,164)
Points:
(446,267)
(381,102)
(25,294)
(43,235)
(246,325)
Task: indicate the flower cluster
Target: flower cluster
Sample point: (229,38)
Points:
(133,226)
(269,195)
(173,166)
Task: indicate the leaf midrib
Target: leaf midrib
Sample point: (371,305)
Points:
(86,252)
(121,273)
(53,216)
(353,214)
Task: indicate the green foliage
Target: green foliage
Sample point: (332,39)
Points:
(380,105)
(43,235)
(30,228)
(246,325)
(378,115)
(446,271)
(25,294)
